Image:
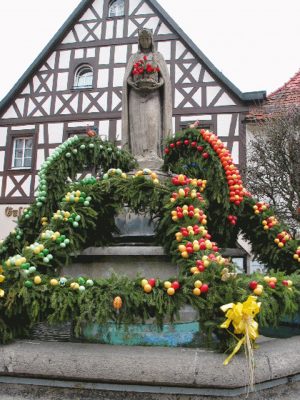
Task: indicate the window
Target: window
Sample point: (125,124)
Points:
(22,152)
(202,124)
(116,8)
(86,130)
(83,77)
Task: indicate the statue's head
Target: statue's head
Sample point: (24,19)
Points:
(146,40)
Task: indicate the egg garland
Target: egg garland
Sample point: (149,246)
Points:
(296,256)
(186,248)
(50,183)
(42,191)
(114,172)
(201,260)
(233,177)
(39,249)
(81,143)
(146,172)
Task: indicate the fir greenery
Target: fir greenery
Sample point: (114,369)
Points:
(69,214)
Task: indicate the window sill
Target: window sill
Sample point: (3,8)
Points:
(20,169)
(79,88)
(116,17)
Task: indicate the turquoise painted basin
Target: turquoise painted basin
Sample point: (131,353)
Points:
(172,335)
(287,327)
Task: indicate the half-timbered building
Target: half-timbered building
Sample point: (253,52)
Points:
(77,81)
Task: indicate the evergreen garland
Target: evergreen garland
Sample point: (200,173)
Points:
(33,289)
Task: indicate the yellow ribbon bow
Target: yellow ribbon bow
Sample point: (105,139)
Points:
(241,315)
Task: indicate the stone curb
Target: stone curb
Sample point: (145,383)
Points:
(195,368)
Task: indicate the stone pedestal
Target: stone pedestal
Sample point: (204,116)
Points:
(153,163)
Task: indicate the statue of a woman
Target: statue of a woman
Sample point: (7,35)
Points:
(146,103)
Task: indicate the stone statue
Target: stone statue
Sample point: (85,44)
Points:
(146,103)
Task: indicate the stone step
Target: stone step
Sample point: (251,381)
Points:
(147,261)
(128,260)
(49,371)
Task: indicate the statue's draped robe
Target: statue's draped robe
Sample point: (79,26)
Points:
(146,115)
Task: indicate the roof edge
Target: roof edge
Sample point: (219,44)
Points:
(50,46)
(255,96)
(284,85)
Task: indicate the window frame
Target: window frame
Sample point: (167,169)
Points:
(13,158)
(76,77)
(203,124)
(115,16)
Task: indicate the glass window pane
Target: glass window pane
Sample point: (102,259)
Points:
(27,162)
(18,153)
(28,153)
(22,156)
(28,143)
(116,8)
(19,143)
(18,162)
(84,77)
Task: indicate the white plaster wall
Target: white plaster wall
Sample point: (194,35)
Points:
(237,126)
(8,223)
(178,98)
(81,31)
(62,81)
(21,127)
(104,129)
(196,71)
(180,48)
(10,113)
(20,104)
(120,54)
(2,155)
(27,89)
(10,185)
(103,78)
(145,9)
(119,129)
(120,28)
(79,53)
(133,4)
(70,38)
(207,77)
(197,97)
(165,49)
(40,158)
(109,29)
(55,132)
(41,134)
(89,15)
(3,134)
(26,185)
(225,100)
(178,73)
(81,123)
(211,92)
(64,59)
(90,52)
(224,121)
(104,55)
(235,152)
(118,76)
(164,30)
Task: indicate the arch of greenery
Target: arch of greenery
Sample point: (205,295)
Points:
(205,201)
